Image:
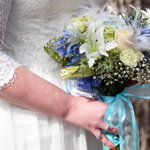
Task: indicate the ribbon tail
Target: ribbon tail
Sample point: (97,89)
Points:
(134,127)
(115,117)
(121,126)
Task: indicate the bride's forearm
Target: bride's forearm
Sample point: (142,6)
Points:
(33,92)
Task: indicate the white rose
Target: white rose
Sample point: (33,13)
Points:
(130,57)
(123,38)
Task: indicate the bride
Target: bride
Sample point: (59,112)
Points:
(32,94)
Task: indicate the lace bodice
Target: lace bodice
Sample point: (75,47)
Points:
(30,24)
(4,12)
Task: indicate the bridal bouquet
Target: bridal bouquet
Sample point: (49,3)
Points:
(102,54)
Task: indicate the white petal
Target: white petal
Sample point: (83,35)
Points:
(148,12)
(104,53)
(91,27)
(91,62)
(83,48)
(100,32)
(144,13)
(111,45)
(92,55)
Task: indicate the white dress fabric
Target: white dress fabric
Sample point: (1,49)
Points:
(30,24)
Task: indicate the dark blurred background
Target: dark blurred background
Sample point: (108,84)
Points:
(142,108)
(121,4)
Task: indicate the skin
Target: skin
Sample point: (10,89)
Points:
(34,93)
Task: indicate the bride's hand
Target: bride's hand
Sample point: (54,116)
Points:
(90,116)
(32,92)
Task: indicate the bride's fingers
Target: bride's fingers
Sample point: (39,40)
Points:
(103,139)
(105,127)
(113,130)
(106,142)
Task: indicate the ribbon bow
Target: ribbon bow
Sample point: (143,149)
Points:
(120,114)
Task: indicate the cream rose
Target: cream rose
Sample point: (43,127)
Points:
(130,57)
(123,38)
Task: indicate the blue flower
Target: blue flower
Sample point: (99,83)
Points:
(145,31)
(67,34)
(73,61)
(73,51)
(63,44)
(66,48)
(61,51)
(88,84)
(96,82)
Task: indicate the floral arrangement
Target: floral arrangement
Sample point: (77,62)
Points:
(102,53)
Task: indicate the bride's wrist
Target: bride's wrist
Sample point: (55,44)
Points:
(72,105)
(74,111)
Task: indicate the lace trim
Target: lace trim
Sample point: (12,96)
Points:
(8,68)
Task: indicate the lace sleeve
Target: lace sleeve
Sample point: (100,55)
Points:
(7,65)
(7,70)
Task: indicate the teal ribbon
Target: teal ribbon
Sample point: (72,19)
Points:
(120,114)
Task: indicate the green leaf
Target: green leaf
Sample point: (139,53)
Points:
(76,72)
(49,49)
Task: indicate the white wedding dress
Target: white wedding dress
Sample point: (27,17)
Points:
(29,26)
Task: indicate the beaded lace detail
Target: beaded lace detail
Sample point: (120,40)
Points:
(7,70)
